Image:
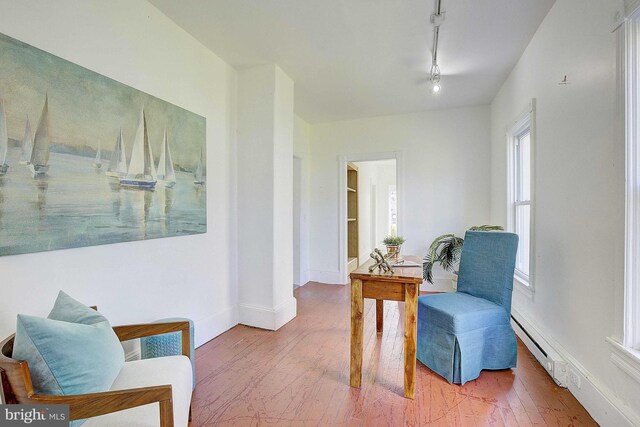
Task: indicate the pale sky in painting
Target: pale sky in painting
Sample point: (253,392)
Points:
(86,108)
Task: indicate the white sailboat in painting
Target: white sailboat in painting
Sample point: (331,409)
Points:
(98,161)
(40,153)
(200,175)
(118,165)
(166,174)
(4,140)
(27,144)
(142,171)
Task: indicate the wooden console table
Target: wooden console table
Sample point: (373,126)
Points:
(402,285)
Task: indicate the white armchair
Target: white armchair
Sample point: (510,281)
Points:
(150,392)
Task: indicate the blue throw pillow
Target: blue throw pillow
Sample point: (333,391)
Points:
(74,351)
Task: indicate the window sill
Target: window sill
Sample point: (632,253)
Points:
(523,286)
(625,358)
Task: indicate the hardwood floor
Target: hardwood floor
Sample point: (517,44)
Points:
(299,376)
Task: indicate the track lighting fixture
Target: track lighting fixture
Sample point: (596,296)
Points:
(437,18)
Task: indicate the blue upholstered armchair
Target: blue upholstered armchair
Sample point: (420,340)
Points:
(464,332)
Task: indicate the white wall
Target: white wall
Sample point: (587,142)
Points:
(301,150)
(445,170)
(265,197)
(283,301)
(579,194)
(193,276)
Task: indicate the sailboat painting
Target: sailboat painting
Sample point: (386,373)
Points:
(98,161)
(165,171)
(86,160)
(141,172)
(118,164)
(39,163)
(200,175)
(27,144)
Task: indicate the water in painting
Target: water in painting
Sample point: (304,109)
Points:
(85,160)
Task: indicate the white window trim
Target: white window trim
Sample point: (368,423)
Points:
(631,330)
(625,358)
(526,119)
(623,354)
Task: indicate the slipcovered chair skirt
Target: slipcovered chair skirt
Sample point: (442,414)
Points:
(464,332)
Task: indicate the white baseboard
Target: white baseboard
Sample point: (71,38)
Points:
(205,330)
(286,312)
(598,400)
(304,277)
(265,317)
(328,277)
(210,327)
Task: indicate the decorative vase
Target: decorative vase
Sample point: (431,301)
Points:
(393,250)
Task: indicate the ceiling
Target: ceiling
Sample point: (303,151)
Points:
(362,58)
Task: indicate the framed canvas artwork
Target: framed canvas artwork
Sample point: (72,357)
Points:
(85,160)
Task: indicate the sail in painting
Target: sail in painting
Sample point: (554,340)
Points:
(4,140)
(40,153)
(142,171)
(200,175)
(27,144)
(98,161)
(118,165)
(166,174)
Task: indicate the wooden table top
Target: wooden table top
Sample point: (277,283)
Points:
(405,274)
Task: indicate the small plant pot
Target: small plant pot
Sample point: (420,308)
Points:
(393,250)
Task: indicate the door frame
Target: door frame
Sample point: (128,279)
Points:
(297,162)
(342,203)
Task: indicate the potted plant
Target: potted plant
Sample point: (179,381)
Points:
(393,244)
(445,250)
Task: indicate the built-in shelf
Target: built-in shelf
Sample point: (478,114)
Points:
(352,217)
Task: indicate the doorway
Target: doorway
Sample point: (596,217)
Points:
(370,207)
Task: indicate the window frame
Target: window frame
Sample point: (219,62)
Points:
(525,122)
(631,330)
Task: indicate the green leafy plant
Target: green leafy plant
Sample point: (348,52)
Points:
(446,249)
(393,240)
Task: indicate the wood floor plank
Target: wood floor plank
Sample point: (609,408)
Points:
(299,376)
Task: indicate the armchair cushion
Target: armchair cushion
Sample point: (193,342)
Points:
(75,351)
(174,370)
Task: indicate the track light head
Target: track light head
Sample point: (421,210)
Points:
(435,79)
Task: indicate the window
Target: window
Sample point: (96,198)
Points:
(520,142)
(393,211)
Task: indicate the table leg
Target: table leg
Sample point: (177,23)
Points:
(410,337)
(357,330)
(379,314)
